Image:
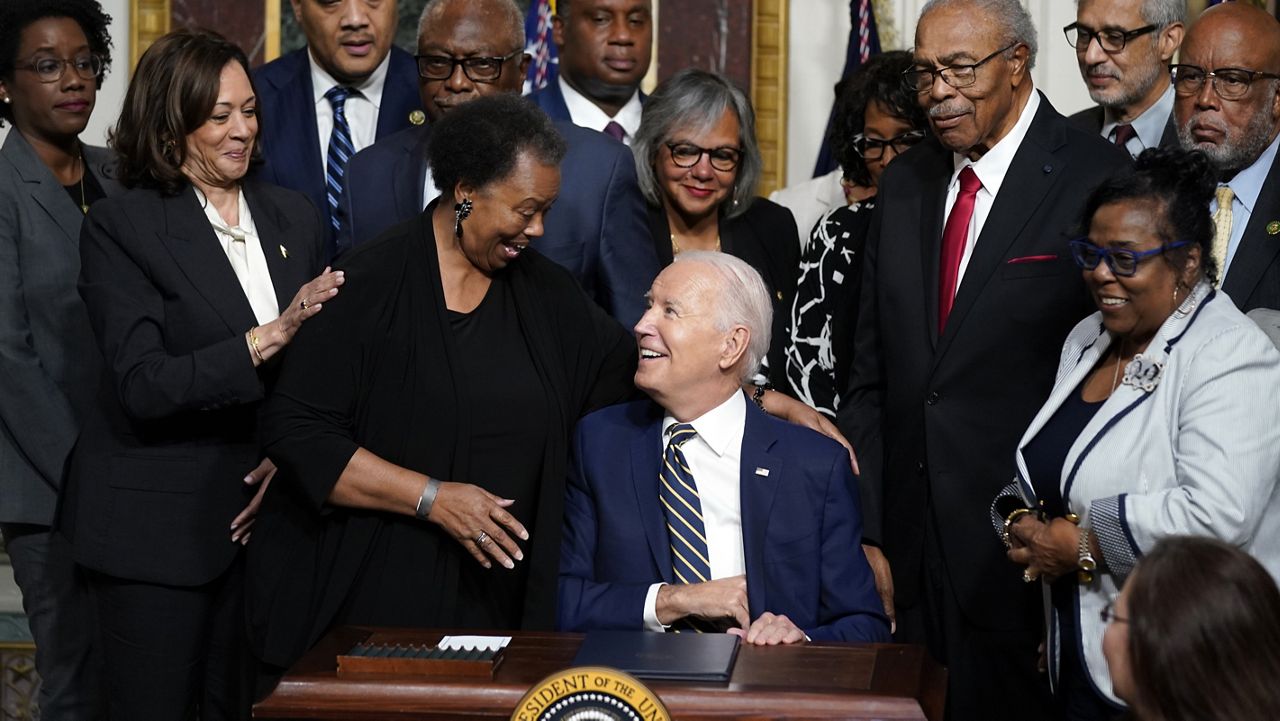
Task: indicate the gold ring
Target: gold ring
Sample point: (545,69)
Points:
(1027,577)
(305,303)
(482,538)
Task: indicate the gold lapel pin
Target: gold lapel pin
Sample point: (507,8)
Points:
(1273,228)
(284,252)
(417,117)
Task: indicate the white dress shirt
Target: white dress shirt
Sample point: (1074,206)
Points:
(990,169)
(429,189)
(361,107)
(1149,125)
(589,115)
(244,250)
(1247,186)
(715,460)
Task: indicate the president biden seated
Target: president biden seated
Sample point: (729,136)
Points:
(696,511)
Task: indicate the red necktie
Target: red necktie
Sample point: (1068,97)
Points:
(954,236)
(1124,133)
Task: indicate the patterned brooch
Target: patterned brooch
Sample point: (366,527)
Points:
(1143,373)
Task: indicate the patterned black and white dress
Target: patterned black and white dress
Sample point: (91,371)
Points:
(819,351)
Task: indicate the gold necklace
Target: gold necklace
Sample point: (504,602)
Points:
(675,245)
(1115,373)
(84,206)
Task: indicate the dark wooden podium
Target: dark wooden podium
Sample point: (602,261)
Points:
(816,681)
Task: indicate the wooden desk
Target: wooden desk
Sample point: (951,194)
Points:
(816,680)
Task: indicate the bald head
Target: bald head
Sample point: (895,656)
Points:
(476,31)
(1232,132)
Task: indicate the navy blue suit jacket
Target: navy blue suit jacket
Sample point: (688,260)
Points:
(287,120)
(801,527)
(597,229)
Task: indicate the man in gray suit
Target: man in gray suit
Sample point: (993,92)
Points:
(1227,84)
(1123,48)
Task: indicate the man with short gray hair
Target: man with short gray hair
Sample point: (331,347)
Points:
(1227,87)
(1124,48)
(749,524)
(968,291)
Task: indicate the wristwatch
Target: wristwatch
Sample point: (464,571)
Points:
(1084,555)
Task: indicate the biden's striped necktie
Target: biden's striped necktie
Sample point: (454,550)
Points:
(340,149)
(683,509)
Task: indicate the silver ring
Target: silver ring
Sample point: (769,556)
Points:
(305,303)
(482,538)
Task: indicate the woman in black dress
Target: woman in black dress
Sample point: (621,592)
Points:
(876,118)
(422,427)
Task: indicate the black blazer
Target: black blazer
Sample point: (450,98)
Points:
(1092,120)
(157,475)
(766,237)
(1254,280)
(936,419)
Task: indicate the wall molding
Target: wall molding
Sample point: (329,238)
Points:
(149,19)
(769,89)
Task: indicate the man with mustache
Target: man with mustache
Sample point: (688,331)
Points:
(1227,104)
(968,292)
(324,102)
(1123,48)
(597,228)
(605,48)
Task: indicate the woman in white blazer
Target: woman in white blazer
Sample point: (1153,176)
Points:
(1164,419)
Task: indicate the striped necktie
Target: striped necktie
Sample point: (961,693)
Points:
(340,149)
(683,510)
(1222,220)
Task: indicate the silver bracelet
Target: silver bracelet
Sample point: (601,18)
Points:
(427,499)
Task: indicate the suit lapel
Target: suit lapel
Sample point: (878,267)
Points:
(1258,248)
(195,248)
(408,182)
(43,187)
(646,452)
(272,234)
(933,200)
(1169,138)
(759,477)
(302,152)
(105,169)
(1032,174)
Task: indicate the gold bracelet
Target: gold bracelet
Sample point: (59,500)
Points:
(1011,519)
(253,345)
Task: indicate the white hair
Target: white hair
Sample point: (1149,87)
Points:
(742,298)
(1012,20)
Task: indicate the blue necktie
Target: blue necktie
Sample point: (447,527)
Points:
(340,149)
(683,509)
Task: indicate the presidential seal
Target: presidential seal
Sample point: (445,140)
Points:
(590,693)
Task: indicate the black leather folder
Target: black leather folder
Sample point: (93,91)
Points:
(706,657)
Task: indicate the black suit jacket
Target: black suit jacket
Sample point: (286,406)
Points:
(766,237)
(595,229)
(1254,280)
(936,419)
(287,118)
(1092,120)
(157,475)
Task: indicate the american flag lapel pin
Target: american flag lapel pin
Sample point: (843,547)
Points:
(284,252)
(762,472)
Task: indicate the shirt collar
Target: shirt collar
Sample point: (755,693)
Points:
(370,89)
(589,115)
(718,427)
(1247,184)
(215,218)
(1150,124)
(994,165)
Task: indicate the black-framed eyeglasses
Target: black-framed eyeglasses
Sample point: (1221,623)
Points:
(957,76)
(1108,613)
(50,69)
(873,148)
(1112,41)
(1228,83)
(1122,261)
(687,155)
(477,70)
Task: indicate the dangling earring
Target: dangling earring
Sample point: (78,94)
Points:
(461,211)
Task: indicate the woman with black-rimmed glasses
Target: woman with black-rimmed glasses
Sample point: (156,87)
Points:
(1164,419)
(54,55)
